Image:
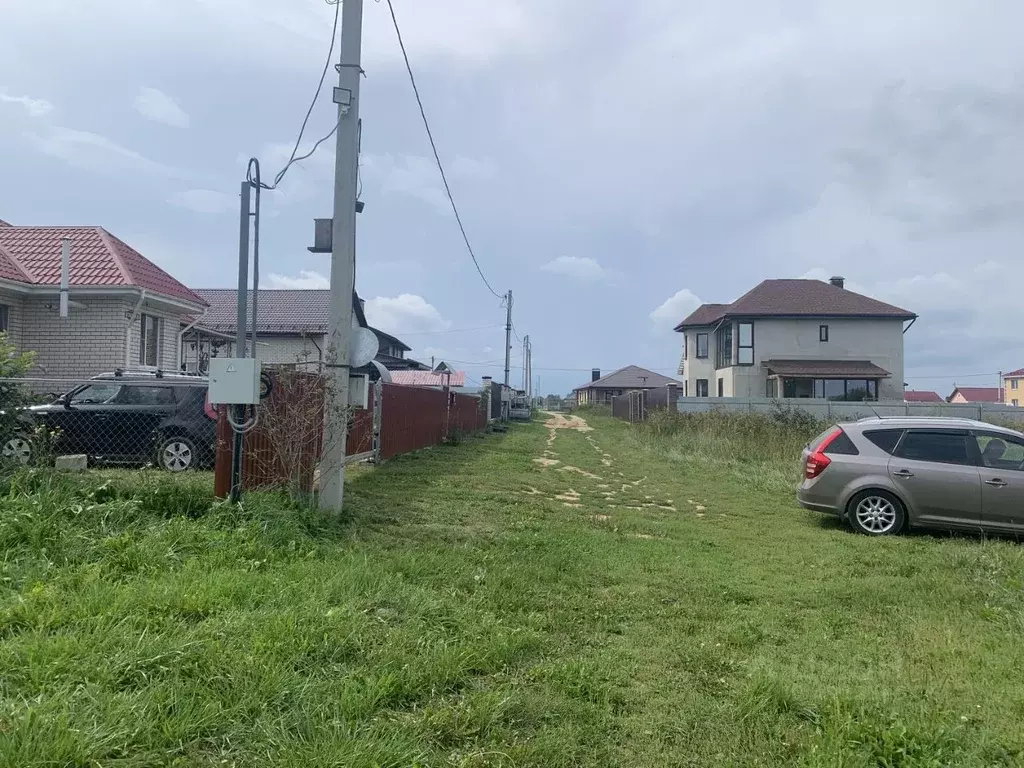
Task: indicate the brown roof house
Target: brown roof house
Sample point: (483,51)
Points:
(976,395)
(922,396)
(796,338)
(602,389)
(123,311)
(291,330)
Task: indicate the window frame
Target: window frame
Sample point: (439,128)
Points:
(971,444)
(823,333)
(739,343)
(144,340)
(1014,383)
(977,433)
(707,345)
(5,318)
(724,343)
(706,383)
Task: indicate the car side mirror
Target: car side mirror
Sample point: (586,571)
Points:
(65,401)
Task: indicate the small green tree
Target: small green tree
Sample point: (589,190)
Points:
(13,395)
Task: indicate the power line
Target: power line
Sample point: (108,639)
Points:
(516,333)
(437,157)
(319,87)
(450,330)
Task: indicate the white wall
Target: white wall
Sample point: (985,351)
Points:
(875,340)
(291,350)
(88,342)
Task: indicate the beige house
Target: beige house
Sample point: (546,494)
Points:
(1013,387)
(796,338)
(123,310)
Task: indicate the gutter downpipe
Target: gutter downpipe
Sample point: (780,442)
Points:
(128,331)
(181,337)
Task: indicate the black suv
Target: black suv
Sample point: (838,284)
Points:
(126,417)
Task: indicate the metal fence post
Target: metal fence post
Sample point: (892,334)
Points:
(378,407)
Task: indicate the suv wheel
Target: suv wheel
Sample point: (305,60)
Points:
(17,449)
(176,454)
(876,513)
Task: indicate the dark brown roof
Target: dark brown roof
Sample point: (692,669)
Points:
(796,298)
(826,368)
(630,377)
(1014,374)
(280,311)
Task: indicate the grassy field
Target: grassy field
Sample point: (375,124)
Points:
(549,597)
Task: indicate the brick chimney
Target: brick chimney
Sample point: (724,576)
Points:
(838,282)
(595,374)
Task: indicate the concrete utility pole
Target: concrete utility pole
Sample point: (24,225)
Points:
(508,334)
(343,257)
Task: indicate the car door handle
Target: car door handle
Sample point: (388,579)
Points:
(902,473)
(995,481)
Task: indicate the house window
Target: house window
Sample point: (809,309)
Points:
(1014,402)
(1013,382)
(822,333)
(849,390)
(745,344)
(771,388)
(684,346)
(702,346)
(723,346)
(5,320)
(686,388)
(702,387)
(149,341)
(721,387)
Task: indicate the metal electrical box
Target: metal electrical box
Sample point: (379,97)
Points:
(359,390)
(234,381)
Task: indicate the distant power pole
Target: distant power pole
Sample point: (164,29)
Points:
(508,334)
(343,257)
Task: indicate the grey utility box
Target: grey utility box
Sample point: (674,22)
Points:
(234,381)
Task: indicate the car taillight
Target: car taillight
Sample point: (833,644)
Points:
(817,461)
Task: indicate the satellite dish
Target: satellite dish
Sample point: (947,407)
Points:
(363,347)
(385,374)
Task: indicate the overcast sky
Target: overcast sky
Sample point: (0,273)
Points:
(615,163)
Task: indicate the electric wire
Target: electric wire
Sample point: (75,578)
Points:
(433,146)
(305,121)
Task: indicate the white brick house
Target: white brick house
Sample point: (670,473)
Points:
(125,312)
(291,330)
(796,338)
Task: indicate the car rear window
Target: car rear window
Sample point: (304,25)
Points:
(842,445)
(885,439)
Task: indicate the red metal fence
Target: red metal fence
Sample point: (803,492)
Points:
(285,447)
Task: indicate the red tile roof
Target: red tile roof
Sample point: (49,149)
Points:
(98,259)
(428,379)
(922,396)
(796,298)
(980,394)
(1014,374)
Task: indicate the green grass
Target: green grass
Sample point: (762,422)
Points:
(459,614)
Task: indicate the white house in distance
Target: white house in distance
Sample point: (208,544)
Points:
(796,338)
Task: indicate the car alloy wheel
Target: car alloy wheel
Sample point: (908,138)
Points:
(876,514)
(18,450)
(177,454)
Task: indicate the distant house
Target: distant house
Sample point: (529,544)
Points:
(1013,389)
(922,396)
(976,395)
(291,329)
(602,389)
(796,338)
(124,311)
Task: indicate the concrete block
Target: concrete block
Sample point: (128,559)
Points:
(75,463)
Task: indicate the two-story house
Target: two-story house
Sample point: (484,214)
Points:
(796,338)
(1013,387)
